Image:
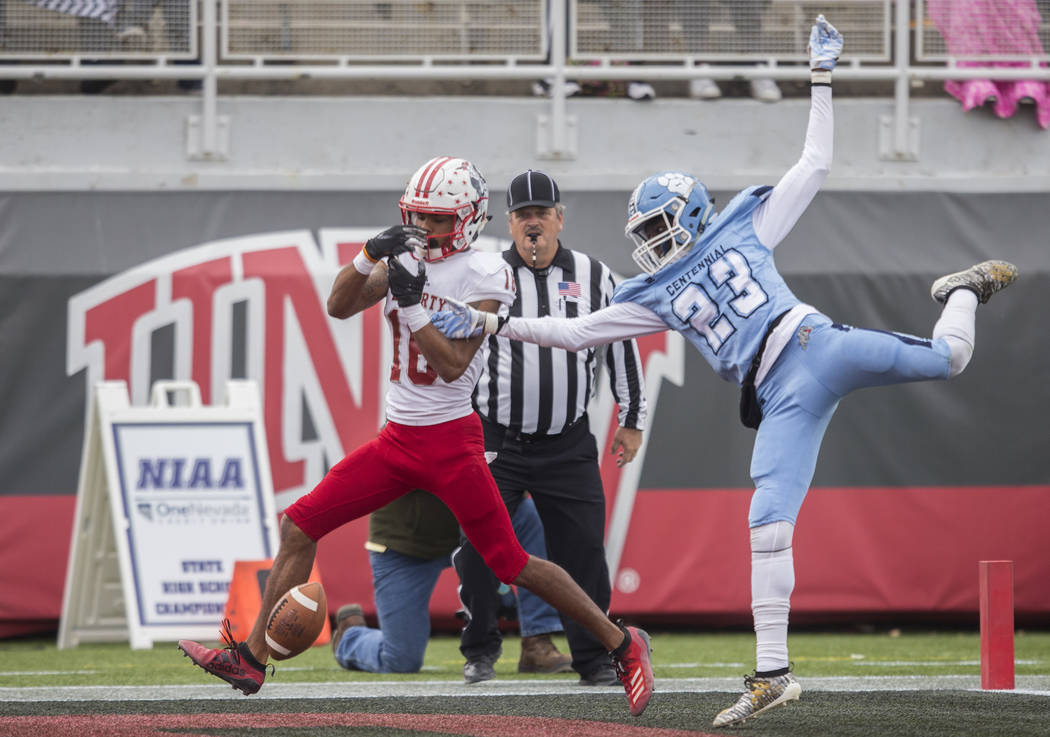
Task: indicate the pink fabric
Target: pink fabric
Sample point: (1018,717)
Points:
(987,27)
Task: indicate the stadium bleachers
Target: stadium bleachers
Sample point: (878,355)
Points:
(348,32)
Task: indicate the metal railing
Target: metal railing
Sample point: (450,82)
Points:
(655,40)
(957,31)
(718,31)
(67,31)
(515,31)
(343,31)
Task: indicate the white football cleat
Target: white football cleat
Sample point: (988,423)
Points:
(762,694)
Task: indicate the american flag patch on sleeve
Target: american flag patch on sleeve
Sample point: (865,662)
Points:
(569,289)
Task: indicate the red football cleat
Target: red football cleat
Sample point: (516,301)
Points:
(634,669)
(234,663)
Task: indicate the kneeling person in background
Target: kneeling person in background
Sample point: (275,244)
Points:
(410,542)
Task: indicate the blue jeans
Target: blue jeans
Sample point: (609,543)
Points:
(403,586)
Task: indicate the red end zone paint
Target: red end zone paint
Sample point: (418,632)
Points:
(468,725)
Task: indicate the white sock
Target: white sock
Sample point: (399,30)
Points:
(956,327)
(772,580)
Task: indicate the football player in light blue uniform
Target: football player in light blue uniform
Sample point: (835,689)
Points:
(713,279)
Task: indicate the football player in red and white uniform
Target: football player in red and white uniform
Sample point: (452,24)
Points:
(432,439)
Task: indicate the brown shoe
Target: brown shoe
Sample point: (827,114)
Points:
(349,615)
(539,655)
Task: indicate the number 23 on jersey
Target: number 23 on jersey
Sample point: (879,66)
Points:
(694,306)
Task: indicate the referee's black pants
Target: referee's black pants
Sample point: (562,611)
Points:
(561,473)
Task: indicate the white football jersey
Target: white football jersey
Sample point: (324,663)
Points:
(417,395)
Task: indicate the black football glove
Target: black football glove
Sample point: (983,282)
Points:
(395,240)
(406,286)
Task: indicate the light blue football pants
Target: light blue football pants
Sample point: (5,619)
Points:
(823,362)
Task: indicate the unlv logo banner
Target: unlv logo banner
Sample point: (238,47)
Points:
(257,304)
(305,367)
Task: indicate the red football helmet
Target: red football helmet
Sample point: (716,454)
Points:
(448,186)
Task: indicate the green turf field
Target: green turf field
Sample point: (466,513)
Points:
(888,683)
(37,662)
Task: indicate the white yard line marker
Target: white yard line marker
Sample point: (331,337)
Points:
(350,690)
(48,673)
(932,663)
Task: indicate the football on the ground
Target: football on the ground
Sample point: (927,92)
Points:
(296,620)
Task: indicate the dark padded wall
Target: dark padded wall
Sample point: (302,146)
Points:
(863,258)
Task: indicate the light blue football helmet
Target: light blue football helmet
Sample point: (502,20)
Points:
(665,215)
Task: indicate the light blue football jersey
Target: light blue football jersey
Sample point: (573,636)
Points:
(723,294)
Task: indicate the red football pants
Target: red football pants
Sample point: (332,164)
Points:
(447,459)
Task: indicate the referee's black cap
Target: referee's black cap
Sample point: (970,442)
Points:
(532,189)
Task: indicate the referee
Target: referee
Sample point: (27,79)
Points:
(533,406)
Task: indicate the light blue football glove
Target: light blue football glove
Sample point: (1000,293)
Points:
(459,320)
(825,46)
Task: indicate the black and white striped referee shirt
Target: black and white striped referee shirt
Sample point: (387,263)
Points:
(531,389)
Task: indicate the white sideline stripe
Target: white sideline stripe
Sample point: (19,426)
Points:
(703,665)
(1030,685)
(48,673)
(286,668)
(303,599)
(858,661)
(930,663)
